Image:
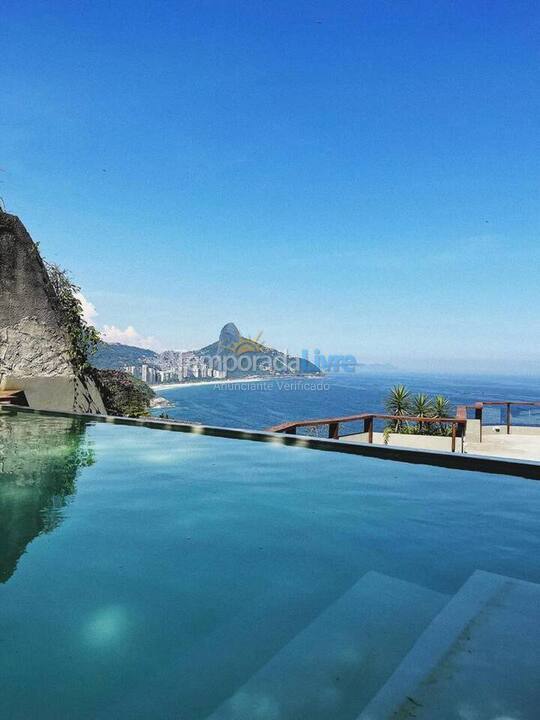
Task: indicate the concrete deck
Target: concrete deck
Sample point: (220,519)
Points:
(425,442)
(515,445)
(522,443)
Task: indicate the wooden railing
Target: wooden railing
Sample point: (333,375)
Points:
(458,424)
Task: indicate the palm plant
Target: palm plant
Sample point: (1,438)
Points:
(442,409)
(398,402)
(422,406)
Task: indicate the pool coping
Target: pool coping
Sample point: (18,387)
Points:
(438,458)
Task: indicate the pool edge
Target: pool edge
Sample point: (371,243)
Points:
(455,461)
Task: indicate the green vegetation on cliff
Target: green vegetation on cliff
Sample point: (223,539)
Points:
(123,394)
(84,338)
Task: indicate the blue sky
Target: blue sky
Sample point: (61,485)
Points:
(360,177)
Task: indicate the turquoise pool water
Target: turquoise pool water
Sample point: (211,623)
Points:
(151,574)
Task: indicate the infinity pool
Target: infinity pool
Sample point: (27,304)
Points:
(149,574)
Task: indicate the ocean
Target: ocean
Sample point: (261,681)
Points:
(258,405)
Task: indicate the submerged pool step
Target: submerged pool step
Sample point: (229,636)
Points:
(201,676)
(476,659)
(337,663)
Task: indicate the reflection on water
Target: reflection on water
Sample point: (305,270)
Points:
(38,469)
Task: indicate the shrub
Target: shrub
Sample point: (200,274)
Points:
(442,409)
(123,394)
(399,401)
(422,406)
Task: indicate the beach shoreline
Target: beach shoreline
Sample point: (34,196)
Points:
(174,386)
(229,381)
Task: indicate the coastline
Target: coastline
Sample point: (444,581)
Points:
(229,381)
(174,386)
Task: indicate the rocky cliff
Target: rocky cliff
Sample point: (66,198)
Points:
(34,344)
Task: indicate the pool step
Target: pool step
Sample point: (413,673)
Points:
(476,659)
(337,663)
(202,676)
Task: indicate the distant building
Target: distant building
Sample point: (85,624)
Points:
(149,374)
(190,366)
(164,376)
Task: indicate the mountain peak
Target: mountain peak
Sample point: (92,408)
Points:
(229,336)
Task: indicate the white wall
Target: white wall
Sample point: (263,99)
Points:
(67,394)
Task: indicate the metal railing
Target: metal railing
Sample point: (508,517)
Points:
(503,404)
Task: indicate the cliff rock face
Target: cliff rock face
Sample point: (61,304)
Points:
(34,346)
(30,347)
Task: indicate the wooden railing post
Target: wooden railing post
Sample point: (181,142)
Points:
(453,437)
(368,427)
(478,411)
(462,431)
(508,418)
(333,431)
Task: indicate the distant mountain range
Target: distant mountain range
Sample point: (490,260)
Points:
(115,356)
(231,345)
(241,356)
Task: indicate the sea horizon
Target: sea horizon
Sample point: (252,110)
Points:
(237,405)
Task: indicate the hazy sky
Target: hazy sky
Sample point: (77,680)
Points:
(360,177)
